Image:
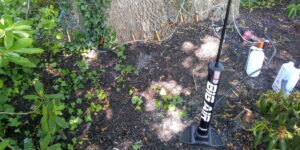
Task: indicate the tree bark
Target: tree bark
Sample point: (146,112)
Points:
(141,19)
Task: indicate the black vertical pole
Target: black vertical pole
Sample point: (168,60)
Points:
(202,134)
(214,74)
(223,33)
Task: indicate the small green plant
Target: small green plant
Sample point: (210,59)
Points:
(169,102)
(50,32)
(137,102)
(279,127)
(16,42)
(293,10)
(52,120)
(252,4)
(136,146)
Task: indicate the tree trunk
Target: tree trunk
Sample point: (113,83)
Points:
(141,19)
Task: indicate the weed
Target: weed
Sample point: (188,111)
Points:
(137,102)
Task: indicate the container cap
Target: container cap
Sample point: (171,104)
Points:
(291,63)
(260,43)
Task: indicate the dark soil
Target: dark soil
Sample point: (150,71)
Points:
(182,72)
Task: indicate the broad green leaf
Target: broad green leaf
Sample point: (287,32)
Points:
(29,50)
(1,83)
(8,108)
(31,97)
(282,144)
(44,120)
(158,104)
(52,124)
(22,43)
(272,143)
(3,63)
(22,27)
(45,141)
(17,59)
(2,33)
(98,108)
(59,36)
(22,22)
(22,33)
(39,87)
(54,147)
(258,138)
(28,145)
(8,40)
(1,70)
(61,122)
(4,144)
(8,20)
(44,124)
(54,96)
(3,99)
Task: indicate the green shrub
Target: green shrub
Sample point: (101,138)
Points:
(280,124)
(293,10)
(251,4)
(16,42)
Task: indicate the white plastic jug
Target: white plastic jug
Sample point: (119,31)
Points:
(292,81)
(255,61)
(286,78)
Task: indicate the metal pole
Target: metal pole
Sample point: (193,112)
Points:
(203,134)
(214,73)
(223,33)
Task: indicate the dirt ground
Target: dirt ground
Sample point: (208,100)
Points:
(179,65)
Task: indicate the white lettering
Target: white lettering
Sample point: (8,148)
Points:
(211,90)
(205,115)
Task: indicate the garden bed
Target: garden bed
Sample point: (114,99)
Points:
(175,67)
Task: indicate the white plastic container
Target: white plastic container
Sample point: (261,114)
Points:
(292,81)
(287,78)
(255,61)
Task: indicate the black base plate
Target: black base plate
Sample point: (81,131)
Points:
(213,140)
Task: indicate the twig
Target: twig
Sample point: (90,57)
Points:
(28,7)
(69,37)
(195,80)
(22,113)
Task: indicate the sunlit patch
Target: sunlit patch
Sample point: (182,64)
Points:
(125,144)
(200,70)
(93,147)
(109,114)
(187,62)
(208,49)
(188,47)
(171,87)
(169,127)
(150,101)
(90,54)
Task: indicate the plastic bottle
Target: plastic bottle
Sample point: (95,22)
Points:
(283,77)
(255,60)
(292,81)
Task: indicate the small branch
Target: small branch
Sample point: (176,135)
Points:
(22,113)
(195,80)
(28,7)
